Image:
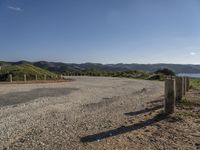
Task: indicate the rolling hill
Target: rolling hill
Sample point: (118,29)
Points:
(19,69)
(60,67)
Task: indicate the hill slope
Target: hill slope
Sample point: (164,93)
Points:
(18,71)
(60,67)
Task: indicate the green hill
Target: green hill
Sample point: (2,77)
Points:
(18,72)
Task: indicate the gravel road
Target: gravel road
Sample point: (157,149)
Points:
(62,115)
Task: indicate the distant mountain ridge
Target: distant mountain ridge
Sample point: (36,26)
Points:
(62,67)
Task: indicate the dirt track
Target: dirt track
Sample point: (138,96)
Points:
(72,115)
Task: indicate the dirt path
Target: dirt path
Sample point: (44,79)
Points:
(89,113)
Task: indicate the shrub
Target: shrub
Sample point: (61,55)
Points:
(165,71)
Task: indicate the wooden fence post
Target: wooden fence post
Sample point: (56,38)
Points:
(10,78)
(24,77)
(183,81)
(45,77)
(185,85)
(179,90)
(169,96)
(188,83)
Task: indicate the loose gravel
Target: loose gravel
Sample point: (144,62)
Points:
(59,115)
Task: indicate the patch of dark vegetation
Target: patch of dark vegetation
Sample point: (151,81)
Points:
(165,71)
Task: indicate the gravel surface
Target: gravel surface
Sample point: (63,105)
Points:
(63,115)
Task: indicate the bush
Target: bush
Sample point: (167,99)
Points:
(156,77)
(165,71)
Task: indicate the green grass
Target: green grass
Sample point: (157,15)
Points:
(195,82)
(188,103)
(18,72)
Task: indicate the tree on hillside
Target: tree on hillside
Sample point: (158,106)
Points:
(165,71)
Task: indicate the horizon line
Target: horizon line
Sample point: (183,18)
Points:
(96,62)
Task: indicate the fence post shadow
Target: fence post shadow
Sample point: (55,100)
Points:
(146,110)
(122,129)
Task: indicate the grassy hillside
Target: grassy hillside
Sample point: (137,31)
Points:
(18,72)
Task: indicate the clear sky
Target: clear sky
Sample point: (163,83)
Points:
(103,31)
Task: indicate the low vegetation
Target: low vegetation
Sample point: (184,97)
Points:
(195,82)
(136,74)
(190,104)
(165,71)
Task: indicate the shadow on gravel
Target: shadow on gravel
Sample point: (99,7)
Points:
(144,110)
(23,97)
(156,101)
(122,129)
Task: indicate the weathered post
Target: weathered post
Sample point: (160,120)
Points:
(188,84)
(24,77)
(183,84)
(179,90)
(169,96)
(36,78)
(10,78)
(45,77)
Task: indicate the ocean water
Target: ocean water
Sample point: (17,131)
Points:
(194,75)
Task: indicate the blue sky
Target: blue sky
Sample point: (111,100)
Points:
(103,31)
